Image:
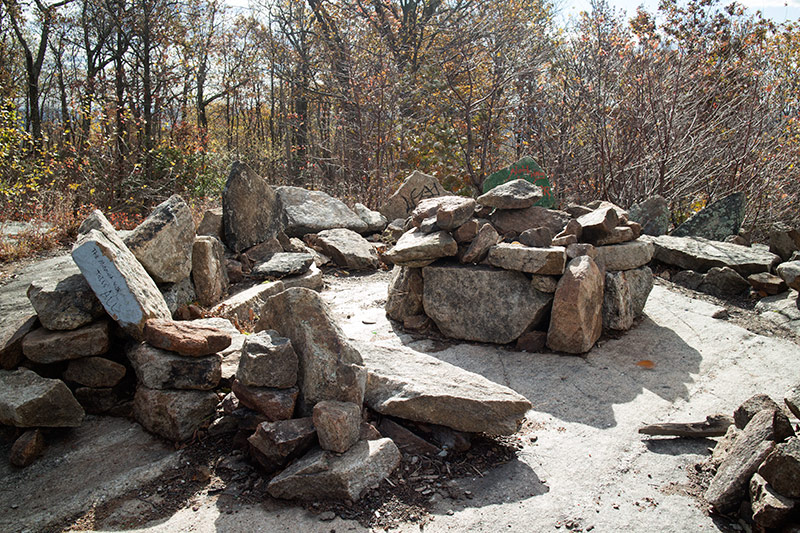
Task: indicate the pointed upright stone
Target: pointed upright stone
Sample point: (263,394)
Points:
(250,209)
(576,320)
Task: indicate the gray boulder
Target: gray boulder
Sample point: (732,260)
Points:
(790,273)
(784,240)
(276,443)
(208,270)
(281,265)
(338,424)
(415,248)
(448,211)
(274,404)
(625,256)
(781,469)
(63,299)
(576,319)
(267,360)
(44,346)
(414,386)
(546,261)
(598,224)
(699,254)
(330,367)
(120,282)
(479,248)
(163,241)
(173,414)
(211,224)
(374,220)
(97,372)
(715,221)
(29,400)
(307,211)
(518,220)
(346,248)
(405,293)
(515,194)
(159,369)
(245,305)
(178,294)
(723,282)
(652,214)
(250,209)
(770,509)
(323,475)
(481,303)
(414,188)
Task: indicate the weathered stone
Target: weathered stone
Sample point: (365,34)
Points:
(246,306)
(27,448)
(275,404)
(173,414)
(323,475)
(406,440)
(267,360)
(163,241)
(264,250)
(338,424)
(178,295)
(770,509)
(518,220)
(716,221)
(120,282)
(208,270)
(312,279)
(526,168)
(467,231)
(625,256)
(782,309)
(723,446)
(250,209)
(688,278)
(564,241)
(186,337)
(64,300)
(783,240)
(580,248)
(414,188)
(374,220)
(754,444)
(577,210)
(45,346)
(576,319)
(234,270)
(330,367)
(617,235)
(792,400)
(546,284)
(307,211)
(479,247)
(450,211)
(98,221)
(640,281)
(781,468)
(652,214)
(347,248)
(29,400)
(97,401)
(622,215)
(790,273)
(722,282)
(211,224)
(536,237)
(276,443)
(636,229)
(767,283)
(509,304)
(282,264)
(416,247)
(598,224)
(416,322)
(94,372)
(546,261)
(515,194)
(160,369)
(532,341)
(405,293)
(394,230)
(414,386)
(617,302)
(751,407)
(694,253)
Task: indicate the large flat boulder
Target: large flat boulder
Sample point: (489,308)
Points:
(307,211)
(414,188)
(346,248)
(700,255)
(329,365)
(29,400)
(481,303)
(408,384)
(625,256)
(250,209)
(416,248)
(323,475)
(544,261)
(576,319)
(514,194)
(63,299)
(120,282)
(163,241)
(715,221)
(519,220)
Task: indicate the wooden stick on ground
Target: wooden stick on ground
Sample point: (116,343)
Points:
(713,426)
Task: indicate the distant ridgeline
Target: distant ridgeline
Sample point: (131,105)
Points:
(528,169)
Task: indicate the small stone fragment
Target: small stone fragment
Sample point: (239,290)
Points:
(276,443)
(338,424)
(27,448)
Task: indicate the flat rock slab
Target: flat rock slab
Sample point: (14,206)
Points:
(545,261)
(45,346)
(781,309)
(699,254)
(481,303)
(161,369)
(625,256)
(519,220)
(186,337)
(322,475)
(283,264)
(307,211)
(414,188)
(246,305)
(346,248)
(120,282)
(63,299)
(416,248)
(515,194)
(29,400)
(408,384)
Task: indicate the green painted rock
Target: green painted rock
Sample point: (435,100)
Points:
(528,169)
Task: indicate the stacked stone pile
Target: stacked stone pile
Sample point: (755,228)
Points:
(524,273)
(756,465)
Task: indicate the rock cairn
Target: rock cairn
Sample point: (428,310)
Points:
(502,270)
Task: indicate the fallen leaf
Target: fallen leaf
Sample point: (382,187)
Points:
(646,363)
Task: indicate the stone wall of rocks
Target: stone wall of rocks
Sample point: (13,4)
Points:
(502,270)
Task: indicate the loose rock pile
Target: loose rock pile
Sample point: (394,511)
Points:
(756,465)
(502,270)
